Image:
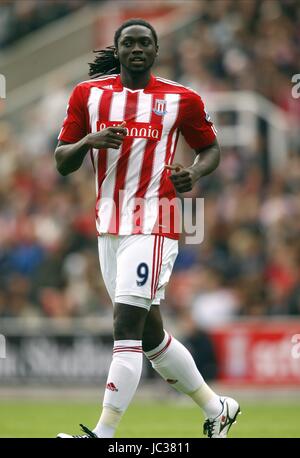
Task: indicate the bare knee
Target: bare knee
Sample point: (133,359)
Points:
(153,333)
(129,322)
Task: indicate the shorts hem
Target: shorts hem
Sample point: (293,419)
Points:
(131,293)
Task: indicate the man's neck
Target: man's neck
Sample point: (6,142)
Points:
(135,81)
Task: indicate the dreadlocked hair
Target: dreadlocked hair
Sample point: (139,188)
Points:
(105,62)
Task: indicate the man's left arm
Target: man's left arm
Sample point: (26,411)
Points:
(206,161)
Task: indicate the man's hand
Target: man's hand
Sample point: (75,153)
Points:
(206,161)
(111,137)
(182,178)
(69,156)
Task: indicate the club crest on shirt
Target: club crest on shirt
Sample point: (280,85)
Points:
(160,107)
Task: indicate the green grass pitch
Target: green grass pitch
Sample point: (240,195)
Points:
(148,419)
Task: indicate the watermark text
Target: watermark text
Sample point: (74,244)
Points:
(296,88)
(295,351)
(2,87)
(137,215)
(2,346)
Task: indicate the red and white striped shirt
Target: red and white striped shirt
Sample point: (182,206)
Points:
(131,181)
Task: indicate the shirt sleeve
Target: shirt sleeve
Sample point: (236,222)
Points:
(195,123)
(74,126)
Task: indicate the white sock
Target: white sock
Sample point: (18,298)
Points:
(176,365)
(208,400)
(108,422)
(123,378)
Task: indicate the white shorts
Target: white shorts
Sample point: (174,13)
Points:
(137,265)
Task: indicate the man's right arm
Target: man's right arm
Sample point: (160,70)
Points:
(69,156)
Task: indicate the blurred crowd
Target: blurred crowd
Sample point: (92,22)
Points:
(249,262)
(20,17)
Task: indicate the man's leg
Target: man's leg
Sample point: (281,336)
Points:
(130,267)
(176,365)
(126,367)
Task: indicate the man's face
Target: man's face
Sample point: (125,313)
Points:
(136,48)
